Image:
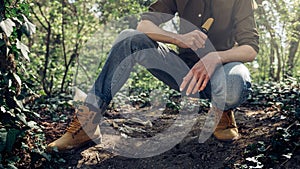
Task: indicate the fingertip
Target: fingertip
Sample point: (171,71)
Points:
(202,88)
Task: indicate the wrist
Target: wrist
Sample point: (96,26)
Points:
(176,39)
(218,59)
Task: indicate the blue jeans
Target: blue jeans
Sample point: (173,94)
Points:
(229,86)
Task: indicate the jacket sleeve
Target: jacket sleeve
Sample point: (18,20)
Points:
(244,24)
(160,11)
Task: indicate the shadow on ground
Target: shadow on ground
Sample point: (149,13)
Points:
(255,124)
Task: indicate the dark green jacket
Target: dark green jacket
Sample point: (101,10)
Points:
(234,19)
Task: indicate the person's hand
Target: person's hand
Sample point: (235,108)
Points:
(199,75)
(194,40)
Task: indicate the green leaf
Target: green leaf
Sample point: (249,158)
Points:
(7,26)
(297,113)
(19,103)
(3,134)
(24,146)
(2,109)
(33,124)
(22,118)
(10,83)
(288,156)
(47,156)
(17,20)
(11,113)
(252,159)
(12,166)
(61,160)
(11,138)
(2,42)
(17,78)
(24,49)
(7,51)
(55,149)
(28,26)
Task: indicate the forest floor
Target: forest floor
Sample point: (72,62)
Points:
(256,124)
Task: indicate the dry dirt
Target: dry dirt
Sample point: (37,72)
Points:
(255,124)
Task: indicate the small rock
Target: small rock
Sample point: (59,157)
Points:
(220,145)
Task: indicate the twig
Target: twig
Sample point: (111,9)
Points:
(38,19)
(283,163)
(291,125)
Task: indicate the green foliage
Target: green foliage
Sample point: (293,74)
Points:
(65,28)
(284,94)
(142,81)
(141,86)
(14,118)
(279,30)
(112,10)
(60,47)
(285,98)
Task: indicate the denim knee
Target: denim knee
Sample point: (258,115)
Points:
(127,33)
(238,85)
(132,36)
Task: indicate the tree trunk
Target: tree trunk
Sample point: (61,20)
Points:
(294,45)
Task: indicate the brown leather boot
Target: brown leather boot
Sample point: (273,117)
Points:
(78,134)
(227,129)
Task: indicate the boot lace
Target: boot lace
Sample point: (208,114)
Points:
(75,126)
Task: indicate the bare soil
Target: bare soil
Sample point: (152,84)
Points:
(255,124)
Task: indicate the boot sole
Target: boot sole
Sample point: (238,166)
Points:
(86,144)
(229,140)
